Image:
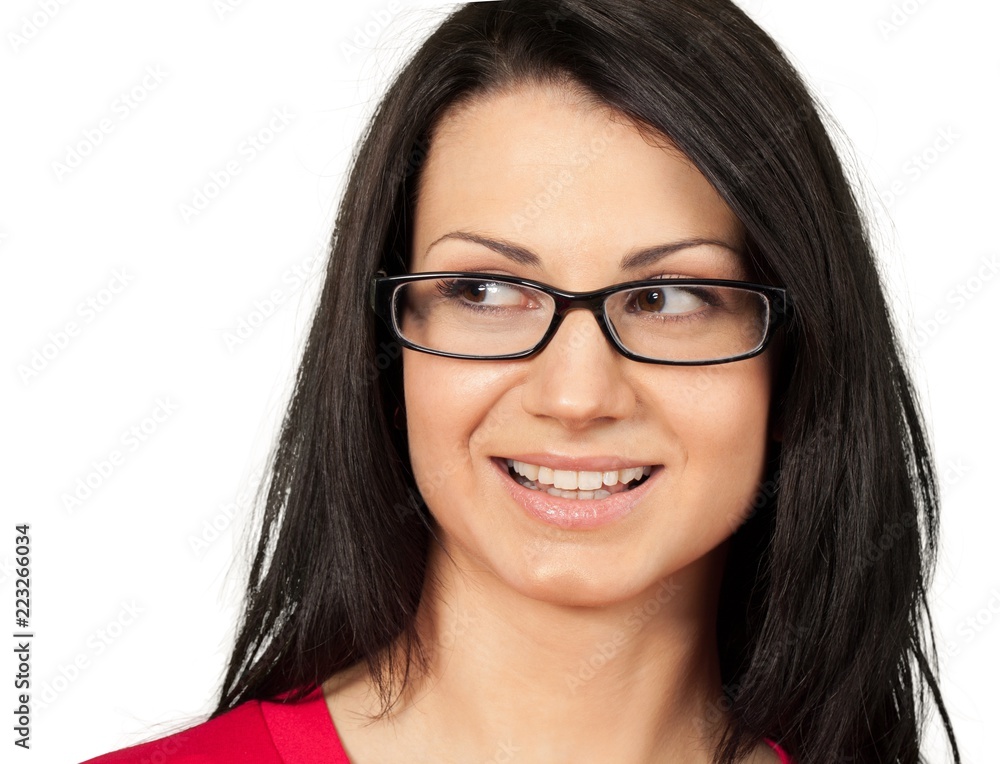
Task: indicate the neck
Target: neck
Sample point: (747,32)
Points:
(634,680)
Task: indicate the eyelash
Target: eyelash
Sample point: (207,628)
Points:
(450,288)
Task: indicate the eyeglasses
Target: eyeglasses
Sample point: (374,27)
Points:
(485,316)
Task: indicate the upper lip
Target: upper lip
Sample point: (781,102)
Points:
(578,463)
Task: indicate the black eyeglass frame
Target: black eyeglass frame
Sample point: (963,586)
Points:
(383,288)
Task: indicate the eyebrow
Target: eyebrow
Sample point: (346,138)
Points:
(631,261)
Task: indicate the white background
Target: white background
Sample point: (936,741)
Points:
(120,583)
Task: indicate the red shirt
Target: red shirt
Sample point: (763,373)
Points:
(257,732)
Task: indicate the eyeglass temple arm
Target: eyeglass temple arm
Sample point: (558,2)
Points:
(782,308)
(371,293)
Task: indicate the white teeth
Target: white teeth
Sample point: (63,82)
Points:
(565,479)
(570,480)
(530,471)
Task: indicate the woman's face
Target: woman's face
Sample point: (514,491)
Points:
(540,170)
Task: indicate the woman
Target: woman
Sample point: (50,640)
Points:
(704,512)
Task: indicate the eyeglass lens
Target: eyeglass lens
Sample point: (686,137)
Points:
(476,317)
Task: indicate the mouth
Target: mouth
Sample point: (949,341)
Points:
(576,485)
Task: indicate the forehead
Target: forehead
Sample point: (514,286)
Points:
(548,168)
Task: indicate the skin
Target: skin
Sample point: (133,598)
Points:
(554,645)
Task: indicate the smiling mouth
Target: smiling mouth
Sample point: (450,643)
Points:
(546,481)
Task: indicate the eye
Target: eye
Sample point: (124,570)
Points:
(672,300)
(485,293)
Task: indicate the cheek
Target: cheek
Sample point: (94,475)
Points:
(450,405)
(721,422)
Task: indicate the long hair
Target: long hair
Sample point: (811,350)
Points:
(825,639)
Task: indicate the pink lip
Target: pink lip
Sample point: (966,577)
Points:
(574,514)
(577,463)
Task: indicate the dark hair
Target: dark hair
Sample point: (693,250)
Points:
(824,627)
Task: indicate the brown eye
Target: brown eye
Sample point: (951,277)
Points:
(472,292)
(650,300)
(667,300)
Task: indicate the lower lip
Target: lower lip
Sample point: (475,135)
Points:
(575,514)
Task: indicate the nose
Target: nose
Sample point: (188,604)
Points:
(578,377)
